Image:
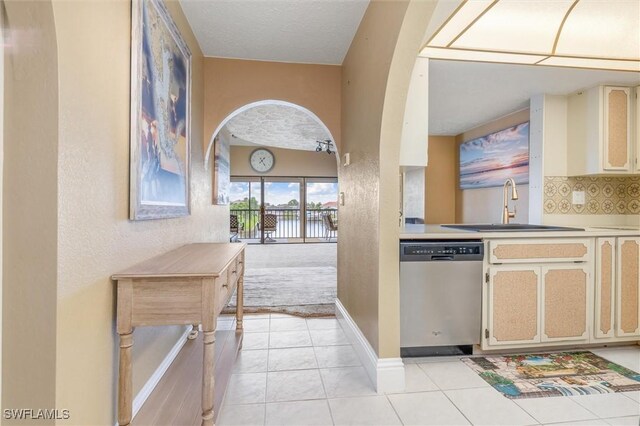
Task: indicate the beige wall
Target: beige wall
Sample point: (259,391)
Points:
(96,238)
(30,220)
(375,79)
(66,202)
(231,83)
(289,162)
(441,180)
(485,205)
(2,35)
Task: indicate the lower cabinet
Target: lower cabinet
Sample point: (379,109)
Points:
(514,305)
(529,305)
(565,303)
(617,296)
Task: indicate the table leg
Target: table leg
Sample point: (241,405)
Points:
(124,380)
(240,303)
(194,332)
(208,380)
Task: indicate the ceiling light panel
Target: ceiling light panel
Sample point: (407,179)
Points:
(603,64)
(479,56)
(602,29)
(464,16)
(517,26)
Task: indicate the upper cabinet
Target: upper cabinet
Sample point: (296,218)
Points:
(600,132)
(637,123)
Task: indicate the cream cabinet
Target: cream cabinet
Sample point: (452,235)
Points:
(539,250)
(617,295)
(538,292)
(628,287)
(604,302)
(529,305)
(565,302)
(513,305)
(600,124)
(636,97)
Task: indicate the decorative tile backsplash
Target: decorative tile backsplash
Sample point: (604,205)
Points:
(603,195)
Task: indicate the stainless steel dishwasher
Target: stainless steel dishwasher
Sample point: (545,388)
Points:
(440,296)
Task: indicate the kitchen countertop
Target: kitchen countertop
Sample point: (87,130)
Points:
(418,232)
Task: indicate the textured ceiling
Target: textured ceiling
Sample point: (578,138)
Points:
(279,126)
(304,31)
(464,95)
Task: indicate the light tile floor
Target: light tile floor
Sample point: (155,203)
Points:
(293,371)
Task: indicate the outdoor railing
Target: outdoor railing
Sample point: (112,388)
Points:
(288,223)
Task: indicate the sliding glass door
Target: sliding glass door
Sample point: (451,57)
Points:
(284,210)
(246,208)
(321,200)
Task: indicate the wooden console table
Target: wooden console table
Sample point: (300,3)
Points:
(187,286)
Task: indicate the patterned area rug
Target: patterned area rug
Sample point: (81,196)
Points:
(554,374)
(302,291)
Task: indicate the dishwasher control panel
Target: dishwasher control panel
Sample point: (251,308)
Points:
(425,251)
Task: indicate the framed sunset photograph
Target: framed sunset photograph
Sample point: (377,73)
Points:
(488,161)
(160,116)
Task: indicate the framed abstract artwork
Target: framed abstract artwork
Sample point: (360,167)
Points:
(160,115)
(222,181)
(488,161)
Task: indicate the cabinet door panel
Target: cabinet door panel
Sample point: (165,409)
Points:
(628,287)
(605,285)
(514,298)
(637,133)
(564,302)
(539,250)
(617,128)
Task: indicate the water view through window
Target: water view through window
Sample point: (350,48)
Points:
(295,209)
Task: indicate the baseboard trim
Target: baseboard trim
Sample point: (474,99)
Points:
(151,384)
(387,374)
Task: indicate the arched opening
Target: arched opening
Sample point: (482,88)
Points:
(255,105)
(283,194)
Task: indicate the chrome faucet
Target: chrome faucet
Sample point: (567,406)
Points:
(506,214)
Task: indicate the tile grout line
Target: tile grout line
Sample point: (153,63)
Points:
(454,404)
(394,409)
(266,384)
(324,388)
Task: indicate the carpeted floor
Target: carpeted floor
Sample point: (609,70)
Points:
(298,279)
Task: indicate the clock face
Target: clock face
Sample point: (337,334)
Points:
(262,160)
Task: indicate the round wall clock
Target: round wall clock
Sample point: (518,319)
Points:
(262,160)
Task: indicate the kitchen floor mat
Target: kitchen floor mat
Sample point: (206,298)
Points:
(553,374)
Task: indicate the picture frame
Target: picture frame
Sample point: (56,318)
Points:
(487,161)
(160,143)
(222,171)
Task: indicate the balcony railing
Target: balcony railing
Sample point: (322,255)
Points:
(288,225)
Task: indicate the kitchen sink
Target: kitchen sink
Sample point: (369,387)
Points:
(510,227)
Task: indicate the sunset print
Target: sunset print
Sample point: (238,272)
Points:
(488,161)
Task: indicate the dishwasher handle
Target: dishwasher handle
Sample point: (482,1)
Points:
(441,257)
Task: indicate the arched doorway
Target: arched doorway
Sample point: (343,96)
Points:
(292,197)
(252,107)
(279,208)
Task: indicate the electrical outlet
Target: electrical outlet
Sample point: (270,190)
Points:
(578,198)
(341,198)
